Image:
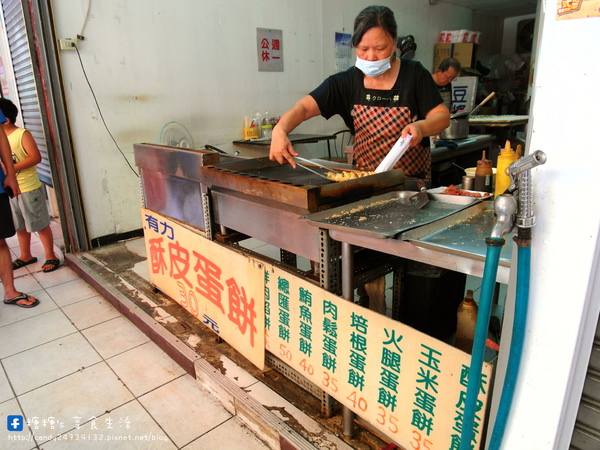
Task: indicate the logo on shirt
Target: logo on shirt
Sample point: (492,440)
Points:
(379,98)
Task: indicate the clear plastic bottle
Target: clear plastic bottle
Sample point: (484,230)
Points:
(258,122)
(484,175)
(506,157)
(466,319)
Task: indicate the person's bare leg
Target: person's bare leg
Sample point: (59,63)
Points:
(24,245)
(7,277)
(47,239)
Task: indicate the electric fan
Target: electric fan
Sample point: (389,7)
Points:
(174,134)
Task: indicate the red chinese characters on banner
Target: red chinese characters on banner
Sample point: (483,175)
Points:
(208,276)
(177,262)
(241,311)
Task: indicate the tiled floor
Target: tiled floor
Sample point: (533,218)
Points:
(79,374)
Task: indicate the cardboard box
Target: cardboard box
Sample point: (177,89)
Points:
(464,52)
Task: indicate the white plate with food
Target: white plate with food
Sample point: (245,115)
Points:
(453,190)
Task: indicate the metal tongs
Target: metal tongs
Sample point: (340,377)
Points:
(308,161)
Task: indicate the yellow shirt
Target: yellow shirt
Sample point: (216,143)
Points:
(28,179)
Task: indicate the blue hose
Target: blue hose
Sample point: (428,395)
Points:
(516,345)
(494,247)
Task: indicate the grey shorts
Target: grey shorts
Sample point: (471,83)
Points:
(30,211)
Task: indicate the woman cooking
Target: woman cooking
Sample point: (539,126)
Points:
(381,99)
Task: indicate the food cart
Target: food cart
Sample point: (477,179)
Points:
(200,207)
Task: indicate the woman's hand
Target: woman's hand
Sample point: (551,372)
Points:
(281,148)
(414,129)
(436,120)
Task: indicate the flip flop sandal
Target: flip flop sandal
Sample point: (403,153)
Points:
(53,263)
(13,301)
(18,263)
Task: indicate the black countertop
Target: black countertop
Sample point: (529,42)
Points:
(471,143)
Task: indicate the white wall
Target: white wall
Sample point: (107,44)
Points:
(564,302)
(150,62)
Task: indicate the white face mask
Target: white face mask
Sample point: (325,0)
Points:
(373,68)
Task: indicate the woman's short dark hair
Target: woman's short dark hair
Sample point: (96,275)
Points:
(374,16)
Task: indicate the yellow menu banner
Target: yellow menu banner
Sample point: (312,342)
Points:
(220,287)
(405,383)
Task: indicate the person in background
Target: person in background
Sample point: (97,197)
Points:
(380,99)
(9,186)
(30,209)
(447,71)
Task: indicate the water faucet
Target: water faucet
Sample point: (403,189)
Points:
(505,207)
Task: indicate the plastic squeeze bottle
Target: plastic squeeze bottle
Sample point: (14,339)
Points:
(466,316)
(506,157)
(484,175)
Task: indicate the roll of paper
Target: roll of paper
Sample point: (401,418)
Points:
(394,154)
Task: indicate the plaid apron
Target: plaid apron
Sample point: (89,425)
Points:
(377,128)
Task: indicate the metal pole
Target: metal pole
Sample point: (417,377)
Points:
(347,293)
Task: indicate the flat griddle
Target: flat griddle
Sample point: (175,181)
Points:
(387,215)
(268,180)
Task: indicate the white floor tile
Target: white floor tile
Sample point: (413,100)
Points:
(71,292)
(115,336)
(152,368)
(61,275)
(53,360)
(11,439)
(90,312)
(128,427)
(81,396)
(5,389)
(232,434)
(184,410)
(30,333)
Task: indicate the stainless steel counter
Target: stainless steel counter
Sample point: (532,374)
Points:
(456,242)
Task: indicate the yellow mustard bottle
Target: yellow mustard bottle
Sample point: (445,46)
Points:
(506,157)
(466,319)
